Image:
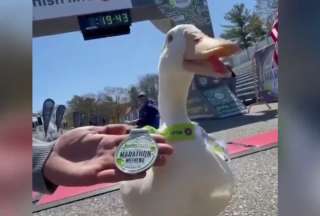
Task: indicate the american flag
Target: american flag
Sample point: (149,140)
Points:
(275,61)
(275,38)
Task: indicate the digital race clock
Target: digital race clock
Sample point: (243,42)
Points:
(105,24)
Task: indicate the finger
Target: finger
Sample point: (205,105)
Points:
(105,140)
(106,161)
(158,138)
(119,138)
(115,129)
(115,175)
(118,129)
(165,149)
(88,128)
(161,161)
(111,141)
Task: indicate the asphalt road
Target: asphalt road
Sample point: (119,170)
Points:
(255,194)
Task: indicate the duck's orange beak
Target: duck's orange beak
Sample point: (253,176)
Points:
(203,54)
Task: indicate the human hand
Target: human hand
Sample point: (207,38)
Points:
(85,156)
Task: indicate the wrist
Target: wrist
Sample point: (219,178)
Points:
(40,156)
(59,171)
(49,170)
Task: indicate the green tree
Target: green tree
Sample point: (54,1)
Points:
(239,30)
(105,105)
(256,29)
(103,97)
(111,104)
(246,27)
(84,104)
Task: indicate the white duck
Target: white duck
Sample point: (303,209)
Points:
(194,182)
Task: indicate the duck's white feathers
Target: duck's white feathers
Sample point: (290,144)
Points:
(193,183)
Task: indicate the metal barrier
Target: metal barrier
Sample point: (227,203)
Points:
(246,82)
(251,77)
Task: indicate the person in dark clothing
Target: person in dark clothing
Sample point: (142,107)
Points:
(148,113)
(231,82)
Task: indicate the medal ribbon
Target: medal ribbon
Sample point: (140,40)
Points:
(176,132)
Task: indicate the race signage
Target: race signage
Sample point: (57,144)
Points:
(187,11)
(50,9)
(225,103)
(47,110)
(59,115)
(267,73)
(197,108)
(212,98)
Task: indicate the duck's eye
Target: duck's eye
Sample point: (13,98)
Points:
(170,38)
(197,40)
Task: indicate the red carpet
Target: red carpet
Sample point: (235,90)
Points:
(234,149)
(67,192)
(256,141)
(260,140)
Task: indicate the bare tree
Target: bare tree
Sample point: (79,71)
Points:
(133,95)
(149,84)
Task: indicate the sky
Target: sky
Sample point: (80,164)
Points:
(65,65)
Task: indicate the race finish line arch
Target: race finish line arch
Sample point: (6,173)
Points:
(106,18)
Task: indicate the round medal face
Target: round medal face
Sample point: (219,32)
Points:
(137,153)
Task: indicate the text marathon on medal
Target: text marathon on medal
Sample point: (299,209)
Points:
(135,153)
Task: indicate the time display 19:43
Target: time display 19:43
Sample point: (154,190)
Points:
(115,19)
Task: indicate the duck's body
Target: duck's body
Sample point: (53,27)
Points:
(194,182)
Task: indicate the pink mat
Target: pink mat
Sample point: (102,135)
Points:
(35,196)
(234,149)
(259,140)
(67,192)
(256,141)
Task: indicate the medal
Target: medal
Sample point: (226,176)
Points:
(137,153)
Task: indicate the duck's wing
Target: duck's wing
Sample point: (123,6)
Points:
(217,147)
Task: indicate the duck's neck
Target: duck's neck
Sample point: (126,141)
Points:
(173,93)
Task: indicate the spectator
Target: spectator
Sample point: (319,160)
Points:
(232,80)
(148,113)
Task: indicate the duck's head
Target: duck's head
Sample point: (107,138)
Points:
(189,51)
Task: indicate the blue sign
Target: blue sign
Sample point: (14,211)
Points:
(218,96)
(47,110)
(59,115)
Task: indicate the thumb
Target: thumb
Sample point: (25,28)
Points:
(115,129)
